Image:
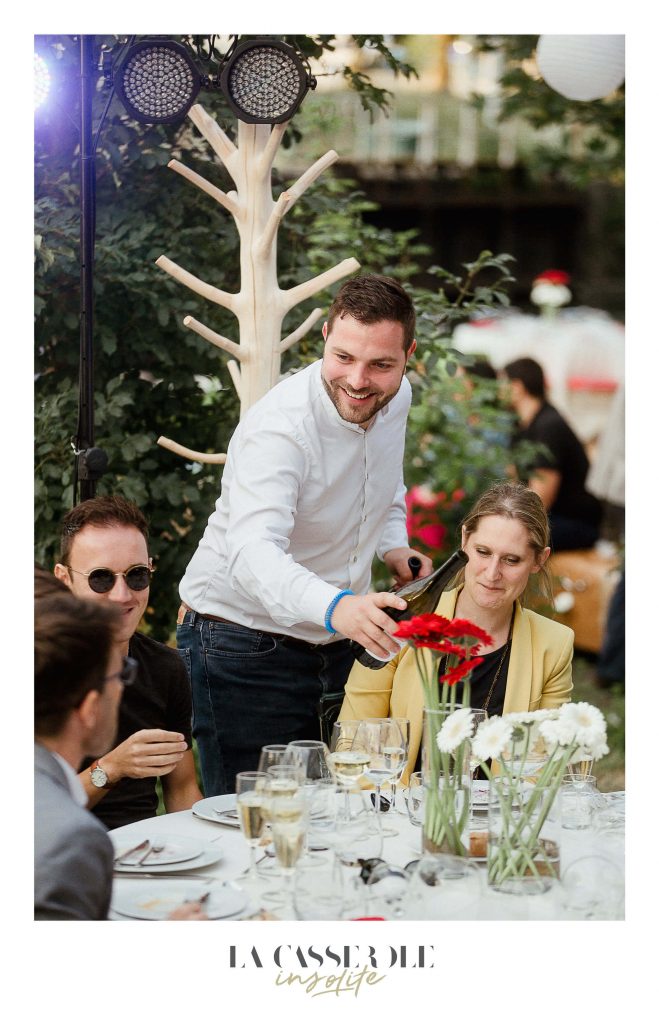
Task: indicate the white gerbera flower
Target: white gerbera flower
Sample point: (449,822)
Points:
(455,730)
(557,732)
(491,738)
(587,722)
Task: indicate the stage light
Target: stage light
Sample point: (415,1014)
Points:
(157,81)
(41,81)
(264,81)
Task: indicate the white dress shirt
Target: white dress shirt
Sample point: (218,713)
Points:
(307,499)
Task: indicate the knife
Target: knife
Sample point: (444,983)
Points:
(144,845)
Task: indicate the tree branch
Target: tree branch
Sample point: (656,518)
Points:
(215,339)
(268,155)
(292,296)
(234,370)
(309,176)
(216,193)
(265,241)
(300,331)
(207,291)
(188,453)
(211,131)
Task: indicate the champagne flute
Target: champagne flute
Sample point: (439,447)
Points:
(288,821)
(311,757)
(282,782)
(249,801)
(348,759)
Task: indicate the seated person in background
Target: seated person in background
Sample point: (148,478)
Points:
(529,664)
(79,677)
(559,478)
(104,558)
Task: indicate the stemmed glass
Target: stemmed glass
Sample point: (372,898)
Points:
(311,757)
(272,753)
(348,760)
(249,801)
(404,726)
(288,821)
(387,747)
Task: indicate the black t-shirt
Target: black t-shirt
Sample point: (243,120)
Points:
(569,458)
(160,698)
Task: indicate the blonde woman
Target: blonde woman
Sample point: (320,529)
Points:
(529,663)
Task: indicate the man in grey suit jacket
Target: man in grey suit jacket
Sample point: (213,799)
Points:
(79,680)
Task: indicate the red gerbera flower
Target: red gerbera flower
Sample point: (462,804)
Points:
(454,675)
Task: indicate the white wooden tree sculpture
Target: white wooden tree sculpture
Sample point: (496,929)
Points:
(260,306)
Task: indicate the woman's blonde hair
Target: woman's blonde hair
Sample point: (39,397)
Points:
(515,501)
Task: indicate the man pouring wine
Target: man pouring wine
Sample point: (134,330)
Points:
(311,491)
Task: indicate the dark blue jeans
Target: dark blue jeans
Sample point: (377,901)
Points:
(251,688)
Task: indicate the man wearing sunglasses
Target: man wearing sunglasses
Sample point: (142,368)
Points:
(79,677)
(104,558)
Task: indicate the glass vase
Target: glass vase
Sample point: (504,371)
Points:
(524,824)
(448,790)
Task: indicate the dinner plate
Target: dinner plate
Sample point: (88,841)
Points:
(155,900)
(218,809)
(176,850)
(209,855)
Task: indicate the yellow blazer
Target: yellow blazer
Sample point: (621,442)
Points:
(539,675)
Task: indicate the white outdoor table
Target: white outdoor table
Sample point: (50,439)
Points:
(398,850)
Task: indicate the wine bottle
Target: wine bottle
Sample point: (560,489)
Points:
(422,596)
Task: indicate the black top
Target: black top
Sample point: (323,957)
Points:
(160,698)
(569,458)
(481,680)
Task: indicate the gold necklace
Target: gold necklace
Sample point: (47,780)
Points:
(499,667)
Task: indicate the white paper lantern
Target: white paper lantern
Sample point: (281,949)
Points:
(582,67)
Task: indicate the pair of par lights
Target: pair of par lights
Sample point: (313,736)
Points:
(263,80)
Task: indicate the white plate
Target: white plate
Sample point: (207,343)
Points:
(178,849)
(155,900)
(209,855)
(214,807)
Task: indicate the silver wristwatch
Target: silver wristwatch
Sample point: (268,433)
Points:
(99,776)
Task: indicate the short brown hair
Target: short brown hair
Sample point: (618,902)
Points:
(110,510)
(372,298)
(515,501)
(72,643)
(529,373)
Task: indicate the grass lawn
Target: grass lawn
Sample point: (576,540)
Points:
(610,771)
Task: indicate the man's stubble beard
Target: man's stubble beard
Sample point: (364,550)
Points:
(356,415)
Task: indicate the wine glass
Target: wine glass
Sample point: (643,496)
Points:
(478,715)
(387,749)
(288,821)
(415,798)
(272,753)
(249,802)
(348,759)
(310,756)
(399,757)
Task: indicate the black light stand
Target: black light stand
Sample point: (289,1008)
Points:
(90,462)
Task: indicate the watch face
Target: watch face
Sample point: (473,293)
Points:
(99,778)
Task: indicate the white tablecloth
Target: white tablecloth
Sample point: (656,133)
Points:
(398,850)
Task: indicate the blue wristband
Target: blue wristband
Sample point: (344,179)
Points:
(332,605)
